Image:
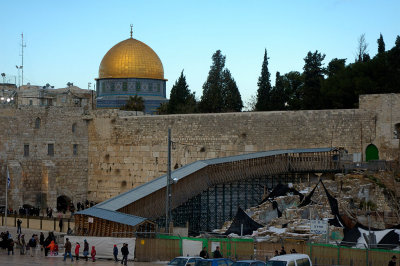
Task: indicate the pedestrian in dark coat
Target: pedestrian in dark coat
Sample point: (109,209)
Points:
(46,243)
(60,224)
(85,249)
(125,253)
(217,254)
(19,222)
(204,253)
(392,262)
(41,241)
(10,246)
(115,253)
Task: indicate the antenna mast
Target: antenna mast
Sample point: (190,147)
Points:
(23,45)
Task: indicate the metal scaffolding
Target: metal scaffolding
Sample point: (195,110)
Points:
(213,207)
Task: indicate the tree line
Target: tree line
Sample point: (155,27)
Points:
(337,85)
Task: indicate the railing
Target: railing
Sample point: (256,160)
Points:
(38,222)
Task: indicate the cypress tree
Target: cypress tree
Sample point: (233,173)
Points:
(381,44)
(313,75)
(232,98)
(181,100)
(397,42)
(212,98)
(278,97)
(264,87)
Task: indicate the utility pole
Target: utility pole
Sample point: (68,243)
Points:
(168,188)
(6,209)
(22,55)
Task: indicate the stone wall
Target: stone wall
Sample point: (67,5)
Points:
(38,177)
(118,150)
(127,151)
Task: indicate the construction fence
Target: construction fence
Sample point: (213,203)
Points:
(326,254)
(165,247)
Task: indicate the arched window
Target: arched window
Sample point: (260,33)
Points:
(73,127)
(37,123)
(371,153)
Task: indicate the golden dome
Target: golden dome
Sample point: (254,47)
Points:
(131,59)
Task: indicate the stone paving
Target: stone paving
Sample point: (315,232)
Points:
(40,259)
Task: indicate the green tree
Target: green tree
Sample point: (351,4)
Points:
(264,87)
(313,75)
(135,103)
(181,100)
(397,42)
(337,90)
(293,83)
(162,109)
(212,98)
(231,95)
(335,66)
(278,96)
(381,44)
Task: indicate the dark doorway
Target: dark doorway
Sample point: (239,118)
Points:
(62,203)
(371,153)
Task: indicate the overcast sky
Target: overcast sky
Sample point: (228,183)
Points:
(66,40)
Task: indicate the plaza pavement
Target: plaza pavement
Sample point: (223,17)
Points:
(40,259)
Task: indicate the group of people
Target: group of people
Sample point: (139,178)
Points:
(30,246)
(68,248)
(124,252)
(216,253)
(283,251)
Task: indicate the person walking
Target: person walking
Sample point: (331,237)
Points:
(41,241)
(32,245)
(85,249)
(93,254)
(46,244)
(60,224)
(77,247)
(10,246)
(125,253)
(19,222)
(37,244)
(115,253)
(22,245)
(68,247)
(217,254)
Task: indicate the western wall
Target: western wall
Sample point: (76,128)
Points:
(117,150)
(37,174)
(127,150)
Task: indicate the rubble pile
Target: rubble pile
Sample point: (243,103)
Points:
(356,195)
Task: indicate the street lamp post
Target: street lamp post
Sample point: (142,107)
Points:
(168,187)
(19,81)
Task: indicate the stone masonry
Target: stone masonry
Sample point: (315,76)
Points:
(126,151)
(38,178)
(118,150)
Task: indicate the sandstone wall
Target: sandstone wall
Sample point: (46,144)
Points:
(40,177)
(127,151)
(118,150)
